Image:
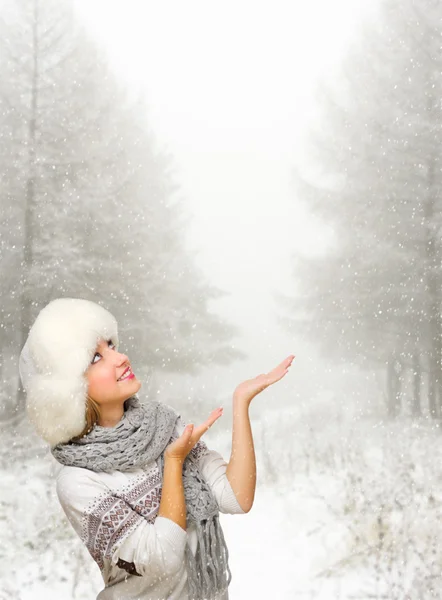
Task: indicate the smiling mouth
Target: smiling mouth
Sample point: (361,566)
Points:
(128,374)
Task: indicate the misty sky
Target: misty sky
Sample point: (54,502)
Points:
(230,88)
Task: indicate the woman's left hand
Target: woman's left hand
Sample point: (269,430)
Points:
(247,390)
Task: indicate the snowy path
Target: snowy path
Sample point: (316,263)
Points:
(272,554)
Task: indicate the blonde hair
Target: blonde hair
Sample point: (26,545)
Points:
(92,417)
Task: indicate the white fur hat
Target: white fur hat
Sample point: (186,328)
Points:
(60,346)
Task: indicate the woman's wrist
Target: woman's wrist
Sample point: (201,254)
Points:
(173,460)
(240,404)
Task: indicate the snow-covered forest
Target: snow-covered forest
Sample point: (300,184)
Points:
(75,148)
(349,501)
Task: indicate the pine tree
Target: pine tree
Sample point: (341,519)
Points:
(374,298)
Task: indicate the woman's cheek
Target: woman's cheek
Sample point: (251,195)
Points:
(108,380)
(101,381)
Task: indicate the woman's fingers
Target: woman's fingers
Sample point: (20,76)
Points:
(285,363)
(201,429)
(282,369)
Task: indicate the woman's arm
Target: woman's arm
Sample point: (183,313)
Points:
(241,470)
(173,504)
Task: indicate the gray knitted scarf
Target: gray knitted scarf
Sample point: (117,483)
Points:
(139,438)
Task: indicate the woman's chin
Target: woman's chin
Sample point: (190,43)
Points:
(131,387)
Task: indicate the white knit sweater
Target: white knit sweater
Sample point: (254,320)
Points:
(149,551)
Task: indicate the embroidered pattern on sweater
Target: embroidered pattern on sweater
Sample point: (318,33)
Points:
(107,521)
(112,516)
(144,494)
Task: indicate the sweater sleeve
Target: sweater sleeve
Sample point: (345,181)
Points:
(213,468)
(112,531)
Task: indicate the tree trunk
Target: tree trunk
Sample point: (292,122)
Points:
(417,382)
(432,275)
(432,407)
(26,295)
(394,369)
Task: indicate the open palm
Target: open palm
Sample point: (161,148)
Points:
(248,389)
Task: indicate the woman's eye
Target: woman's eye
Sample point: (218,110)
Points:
(109,343)
(96,354)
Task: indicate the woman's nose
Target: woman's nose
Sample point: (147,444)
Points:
(122,358)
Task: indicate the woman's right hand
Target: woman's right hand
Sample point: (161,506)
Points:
(181,447)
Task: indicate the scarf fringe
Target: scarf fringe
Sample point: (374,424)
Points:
(208,572)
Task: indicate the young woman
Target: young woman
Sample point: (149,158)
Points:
(138,485)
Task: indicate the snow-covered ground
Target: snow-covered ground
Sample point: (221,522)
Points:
(342,510)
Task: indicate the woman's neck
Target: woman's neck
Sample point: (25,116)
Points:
(111,416)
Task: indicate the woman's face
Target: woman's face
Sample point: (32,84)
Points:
(110,381)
